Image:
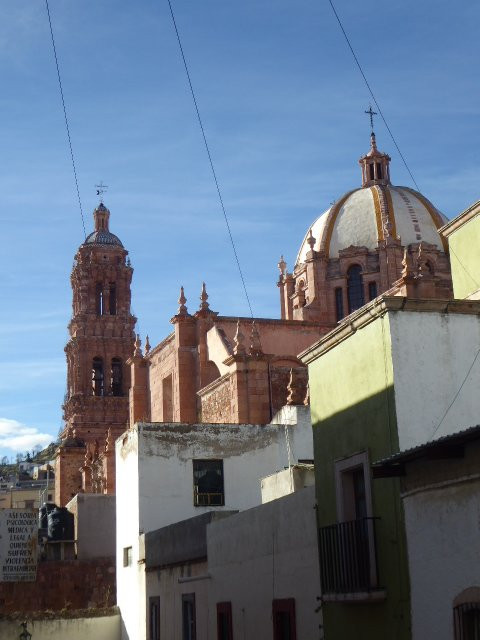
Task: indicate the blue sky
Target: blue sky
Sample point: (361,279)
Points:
(283,108)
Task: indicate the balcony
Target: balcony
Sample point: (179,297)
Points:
(348,565)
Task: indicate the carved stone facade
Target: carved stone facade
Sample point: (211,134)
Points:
(98,380)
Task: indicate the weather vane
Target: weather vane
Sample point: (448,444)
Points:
(101,189)
(371,113)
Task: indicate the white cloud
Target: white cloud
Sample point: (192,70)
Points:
(19,438)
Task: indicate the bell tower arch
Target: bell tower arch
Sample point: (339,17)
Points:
(101,341)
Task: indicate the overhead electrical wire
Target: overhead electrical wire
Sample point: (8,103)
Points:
(66,118)
(456,395)
(372,94)
(210,158)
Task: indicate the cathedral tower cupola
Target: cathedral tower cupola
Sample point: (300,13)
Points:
(101,215)
(375,165)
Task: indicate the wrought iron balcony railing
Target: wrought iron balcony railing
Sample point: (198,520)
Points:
(348,557)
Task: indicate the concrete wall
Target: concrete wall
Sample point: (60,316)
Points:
(170,584)
(155,483)
(262,554)
(280,484)
(105,627)
(432,354)
(442,510)
(94,525)
(464,241)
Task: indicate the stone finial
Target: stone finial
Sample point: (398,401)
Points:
(108,440)
(293,390)
(422,267)
(311,240)
(255,344)
(182,309)
(204,297)
(306,400)
(239,341)
(405,265)
(282,266)
(147,345)
(387,229)
(138,346)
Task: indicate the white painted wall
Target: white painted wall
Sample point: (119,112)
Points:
(130,580)
(168,584)
(432,354)
(101,628)
(443,554)
(154,474)
(262,554)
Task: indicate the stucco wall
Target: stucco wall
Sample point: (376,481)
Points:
(465,258)
(262,554)
(165,583)
(353,410)
(432,355)
(155,483)
(443,554)
(96,628)
(94,525)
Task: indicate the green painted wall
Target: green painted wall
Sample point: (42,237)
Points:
(353,410)
(464,246)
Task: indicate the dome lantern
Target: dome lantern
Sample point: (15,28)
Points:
(375,165)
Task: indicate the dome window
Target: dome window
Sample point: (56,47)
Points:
(339,303)
(356,298)
(372,290)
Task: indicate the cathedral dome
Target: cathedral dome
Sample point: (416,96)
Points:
(103,237)
(370,214)
(102,234)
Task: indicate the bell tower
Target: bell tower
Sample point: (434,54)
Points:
(101,341)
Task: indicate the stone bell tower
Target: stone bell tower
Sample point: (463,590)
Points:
(101,341)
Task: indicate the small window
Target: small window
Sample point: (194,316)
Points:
(127,556)
(49,497)
(379,171)
(224,621)
(188,617)
(208,483)
(339,303)
(99,298)
(97,377)
(372,171)
(154,618)
(284,625)
(116,381)
(167,398)
(112,298)
(29,504)
(466,618)
(372,290)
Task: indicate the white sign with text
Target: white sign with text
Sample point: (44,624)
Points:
(18,545)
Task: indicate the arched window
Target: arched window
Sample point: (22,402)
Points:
(97,377)
(112,298)
(339,303)
(356,298)
(116,377)
(99,298)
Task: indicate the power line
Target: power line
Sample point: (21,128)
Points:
(210,158)
(66,118)
(372,94)
(456,395)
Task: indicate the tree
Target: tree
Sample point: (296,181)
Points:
(5,460)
